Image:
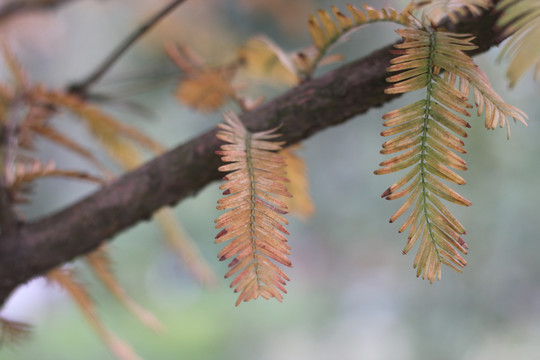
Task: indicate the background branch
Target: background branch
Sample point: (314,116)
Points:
(81,87)
(329,100)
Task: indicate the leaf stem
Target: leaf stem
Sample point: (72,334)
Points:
(423,154)
(252,195)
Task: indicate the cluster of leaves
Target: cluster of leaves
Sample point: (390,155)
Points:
(27,113)
(519,19)
(326,31)
(208,88)
(256,197)
(427,133)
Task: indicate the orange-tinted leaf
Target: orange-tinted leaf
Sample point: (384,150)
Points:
(205,91)
(300,203)
(263,59)
(253,223)
(317,34)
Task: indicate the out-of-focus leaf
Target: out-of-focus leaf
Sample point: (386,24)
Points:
(184,58)
(58,138)
(13,332)
(205,91)
(263,59)
(436,10)
(103,125)
(19,74)
(202,88)
(101,264)
(67,280)
(183,245)
(522,21)
(331,59)
(327,29)
(300,203)
(22,174)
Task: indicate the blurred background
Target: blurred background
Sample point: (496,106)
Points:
(352,295)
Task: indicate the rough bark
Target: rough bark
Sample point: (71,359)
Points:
(32,249)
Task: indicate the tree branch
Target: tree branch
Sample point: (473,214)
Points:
(81,87)
(313,106)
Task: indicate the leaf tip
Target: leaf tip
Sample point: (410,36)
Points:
(221,233)
(463,243)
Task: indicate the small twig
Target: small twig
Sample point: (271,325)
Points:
(81,87)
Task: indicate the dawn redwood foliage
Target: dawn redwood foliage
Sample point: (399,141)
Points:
(264,178)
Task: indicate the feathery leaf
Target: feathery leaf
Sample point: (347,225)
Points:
(253,223)
(24,173)
(19,74)
(300,203)
(420,57)
(102,124)
(48,132)
(205,91)
(116,137)
(202,88)
(326,31)
(428,133)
